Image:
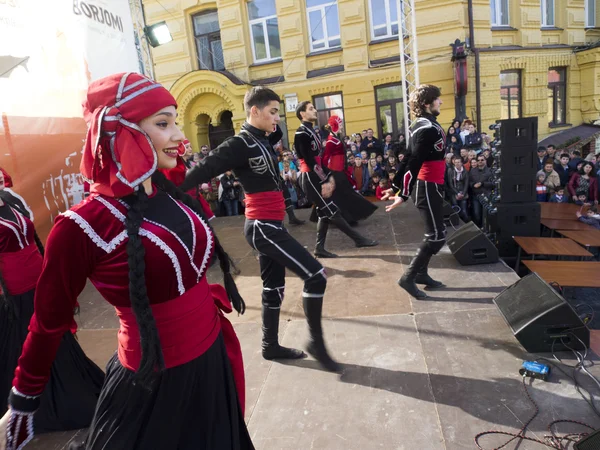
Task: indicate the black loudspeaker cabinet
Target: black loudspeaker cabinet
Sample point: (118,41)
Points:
(539,317)
(470,246)
(517,188)
(519,132)
(518,161)
(590,442)
(450,215)
(519,219)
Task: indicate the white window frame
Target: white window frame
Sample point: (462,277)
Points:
(497,6)
(263,21)
(389,23)
(323,24)
(544,4)
(590,4)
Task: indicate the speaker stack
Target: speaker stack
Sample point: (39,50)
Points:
(512,209)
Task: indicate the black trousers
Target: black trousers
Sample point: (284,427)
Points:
(429,199)
(310,183)
(278,250)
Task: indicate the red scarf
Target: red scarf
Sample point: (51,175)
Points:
(118,155)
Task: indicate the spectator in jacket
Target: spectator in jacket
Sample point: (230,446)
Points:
(373,184)
(489,159)
(383,186)
(387,145)
(563,170)
(231,193)
(552,179)
(552,154)
(559,196)
(540,188)
(591,217)
(480,180)
(575,160)
(371,144)
(473,140)
(360,174)
(541,157)
(584,182)
(457,183)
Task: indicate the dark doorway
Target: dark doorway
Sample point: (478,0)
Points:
(218,134)
(390,110)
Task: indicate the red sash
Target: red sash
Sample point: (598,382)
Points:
(187,325)
(265,205)
(21,269)
(432,171)
(304,167)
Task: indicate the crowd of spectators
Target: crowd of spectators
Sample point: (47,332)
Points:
(372,163)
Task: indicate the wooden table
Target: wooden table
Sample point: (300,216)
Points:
(548,246)
(588,238)
(557,224)
(567,273)
(559,210)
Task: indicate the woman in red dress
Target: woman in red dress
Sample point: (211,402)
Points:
(176,380)
(354,206)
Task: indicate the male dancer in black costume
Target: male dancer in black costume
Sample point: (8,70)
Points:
(251,156)
(424,179)
(308,147)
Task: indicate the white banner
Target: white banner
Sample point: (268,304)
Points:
(50,50)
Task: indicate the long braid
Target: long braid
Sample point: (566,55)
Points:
(152,356)
(5,303)
(227,265)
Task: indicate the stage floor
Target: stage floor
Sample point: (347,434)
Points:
(418,374)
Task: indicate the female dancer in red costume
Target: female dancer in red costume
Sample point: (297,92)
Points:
(145,245)
(354,206)
(72,392)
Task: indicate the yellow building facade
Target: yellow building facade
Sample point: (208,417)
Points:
(534,60)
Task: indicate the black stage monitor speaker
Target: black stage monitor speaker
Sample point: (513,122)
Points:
(517,188)
(470,246)
(519,219)
(540,317)
(519,132)
(590,442)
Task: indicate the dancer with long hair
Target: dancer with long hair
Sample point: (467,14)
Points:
(424,180)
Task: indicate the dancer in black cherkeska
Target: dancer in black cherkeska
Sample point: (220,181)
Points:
(424,180)
(251,156)
(313,174)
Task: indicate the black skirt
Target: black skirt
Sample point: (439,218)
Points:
(352,205)
(70,397)
(190,407)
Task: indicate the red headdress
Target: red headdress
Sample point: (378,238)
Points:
(335,122)
(7,179)
(118,155)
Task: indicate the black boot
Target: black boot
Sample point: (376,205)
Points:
(313,309)
(345,228)
(270,344)
(422,275)
(292,217)
(407,281)
(320,252)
